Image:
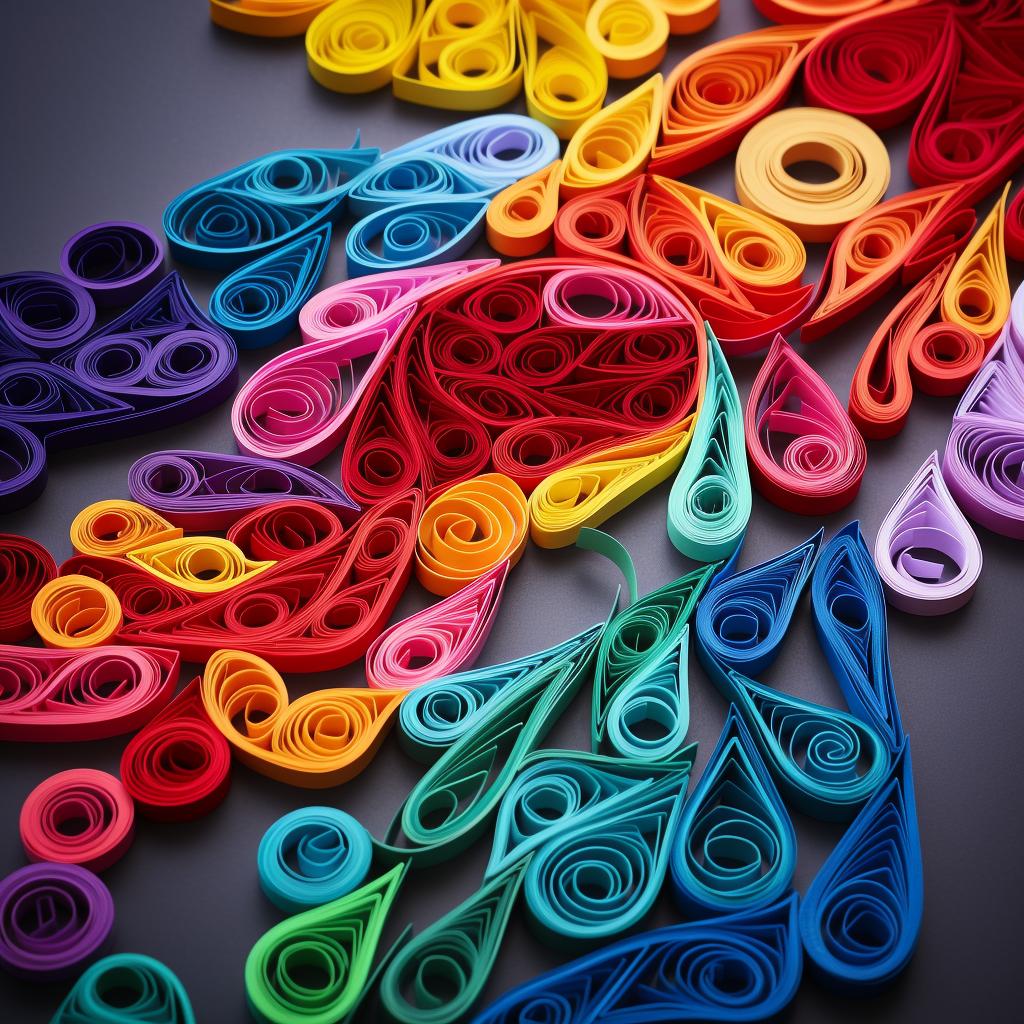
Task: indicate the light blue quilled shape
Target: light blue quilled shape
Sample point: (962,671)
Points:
(735,847)
(850,619)
(560,790)
(312,856)
(826,762)
(709,506)
(433,716)
(861,916)
(417,176)
(741,967)
(417,233)
(242,214)
(743,618)
(259,303)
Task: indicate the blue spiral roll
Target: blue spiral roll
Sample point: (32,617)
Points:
(743,967)
(743,618)
(862,914)
(559,790)
(261,205)
(312,856)
(600,878)
(259,303)
(417,233)
(735,847)
(433,716)
(417,176)
(850,619)
(825,761)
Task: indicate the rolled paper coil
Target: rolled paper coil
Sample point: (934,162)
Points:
(114,527)
(73,612)
(126,988)
(25,568)
(520,217)
(56,696)
(80,816)
(927,555)
(179,766)
(631,35)
(288,529)
(816,212)
(117,262)
(812,10)
(44,313)
(312,856)
(200,565)
(1013,228)
(56,918)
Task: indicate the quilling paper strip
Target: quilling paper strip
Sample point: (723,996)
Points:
(275,18)
(200,565)
(117,262)
(1013,228)
(114,527)
(25,568)
(73,612)
(927,555)
(631,35)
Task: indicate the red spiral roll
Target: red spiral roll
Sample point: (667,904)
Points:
(287,529)
(1014,228)
(178,767)
(25,566)
(141,593)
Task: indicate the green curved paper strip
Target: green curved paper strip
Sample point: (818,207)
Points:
(337,942)
(451,805)
(441,973)
(614,550)
(433,716)
(826,761)
(559,790)
(124,989)
(709,506)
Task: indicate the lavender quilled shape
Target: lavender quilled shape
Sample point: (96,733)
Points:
(116,261)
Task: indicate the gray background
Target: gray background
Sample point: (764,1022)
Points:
(110,109)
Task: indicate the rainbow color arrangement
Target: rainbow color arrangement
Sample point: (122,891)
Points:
(475,407)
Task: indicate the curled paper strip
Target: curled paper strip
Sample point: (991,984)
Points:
(520,217)
(509,727)
(631,35)
(1013,228)
(302,615)
(299,405)
(76,611)
(469,529)
(815,211)
(43,313)
(258,304)
(709,505)
(209,491)
(115,527)
(687,17)
(439,639)
(55,918)
(743,618)
(719,91)
(25,568)
(812,10)
(601,878)
(735,847)
(825,761)
(126,988)
(340,937)
(56,696)
(927,555)
(739,268)
(288,529)
(274,18)
(805,454)
(312,856)
(116,261)
(200,565)
(559,790)
(80,816)
(352,47)
(179,766)
(850,620)
(873,879)
(433,716)
(439,975)
(261,205)
(22,466)
(903,237)
(321,739)
(744,966)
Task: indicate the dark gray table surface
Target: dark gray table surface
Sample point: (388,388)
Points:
(114,106)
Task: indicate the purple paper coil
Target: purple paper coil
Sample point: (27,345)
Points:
(42,312)
(116,261)
(54,919)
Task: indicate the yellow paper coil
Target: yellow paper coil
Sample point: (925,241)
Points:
(115,527)
(200,565)
(520,217)
(631,35)
(75,612)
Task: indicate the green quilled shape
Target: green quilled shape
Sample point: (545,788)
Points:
(452,804)
(334,943)
(735,848)
(432,717)
(827,762)
(709,505)
(124,989)
(560,790)
(438,976)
